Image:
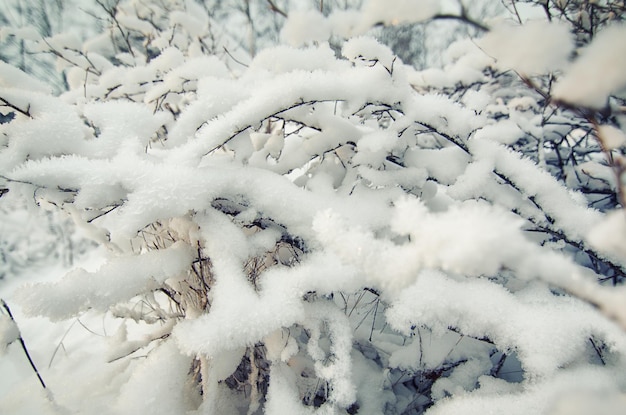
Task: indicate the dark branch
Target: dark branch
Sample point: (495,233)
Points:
(276,9)
(6,103)
(30,360)
(462,18)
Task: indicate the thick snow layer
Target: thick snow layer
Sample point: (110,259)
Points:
(450,240)
(282,59)
(531,49)
(55,128)
(599,71)
(158,386)
(563,207)
(551,396)
(240,316)
(445,165)
(122,126)
(522,321)
(338,371)
(118,280)
(369,50)
(610,235)
(505,132)
(12,77)
(310,228)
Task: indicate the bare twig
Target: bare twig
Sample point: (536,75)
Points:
(462,18)
(276,9)
(21,339)
(598,351)
(6,103)
(233,58)
(111,13)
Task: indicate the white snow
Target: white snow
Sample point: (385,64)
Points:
(118,280)
(156,386)
(12,77)
(368,50)
(336,229)
(611,137)
(505,132)
(609,235)
(396,12)
(572,385)
(534,48)
(305,27)
(8,332)
(522,321)
(599,71)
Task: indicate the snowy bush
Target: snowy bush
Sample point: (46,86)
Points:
(302,232)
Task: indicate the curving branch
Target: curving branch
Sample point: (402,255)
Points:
(464,18)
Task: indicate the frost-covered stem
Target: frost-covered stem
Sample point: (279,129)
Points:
(580,246)
(21,339)
(451,139)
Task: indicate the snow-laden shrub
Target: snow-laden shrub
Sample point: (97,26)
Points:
(313,233)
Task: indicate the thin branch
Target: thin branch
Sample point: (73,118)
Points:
(91,69)
(275,114)
(21,339)
(60,344)
(275,8)
(598,351)
(233,58)
(111,14)
(104,213)
(462,18)
(26,112)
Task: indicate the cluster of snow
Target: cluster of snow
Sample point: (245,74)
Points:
(310,26)
(112,283)
(597,72)
(8,332)
(533,48)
